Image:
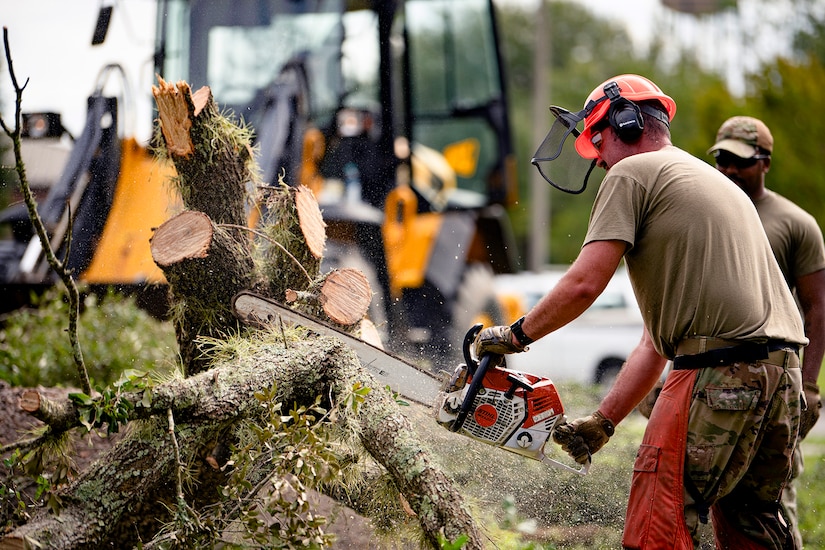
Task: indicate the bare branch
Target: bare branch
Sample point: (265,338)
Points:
(31,205)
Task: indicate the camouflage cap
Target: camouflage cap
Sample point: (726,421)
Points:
(742,136)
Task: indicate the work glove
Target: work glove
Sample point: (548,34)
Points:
(811,412)
(584,436)
(497,341)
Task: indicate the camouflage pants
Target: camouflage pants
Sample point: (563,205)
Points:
(789,495)
(741,437)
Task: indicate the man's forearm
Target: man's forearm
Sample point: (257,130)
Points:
(577,289)
(811,291)
(638,376)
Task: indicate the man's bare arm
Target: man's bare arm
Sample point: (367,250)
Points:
(639,374)
(811,291)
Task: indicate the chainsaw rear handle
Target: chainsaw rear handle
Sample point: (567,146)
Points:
(477,370)
(472,390)
(581,470)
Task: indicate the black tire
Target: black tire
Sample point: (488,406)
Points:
(608,370)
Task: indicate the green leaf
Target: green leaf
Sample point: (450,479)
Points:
(81,399)
(146,402)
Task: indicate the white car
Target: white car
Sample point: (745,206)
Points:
(590,349)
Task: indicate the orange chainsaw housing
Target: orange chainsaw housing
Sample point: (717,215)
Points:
(513,410)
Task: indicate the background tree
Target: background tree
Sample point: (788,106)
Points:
(587,49)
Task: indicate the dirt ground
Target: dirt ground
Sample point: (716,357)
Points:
(352,530)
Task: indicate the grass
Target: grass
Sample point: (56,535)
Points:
(810,484)
(527,504)
(531,505)
(810,494)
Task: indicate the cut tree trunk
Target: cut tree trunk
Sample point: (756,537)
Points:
(205,265)
(212,156)
(208,255)
(294,239)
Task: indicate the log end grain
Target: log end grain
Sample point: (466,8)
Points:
(311,221)
(186,236)
(346,296)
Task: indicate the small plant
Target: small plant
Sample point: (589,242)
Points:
(14,502)
(30,479)
(110,408)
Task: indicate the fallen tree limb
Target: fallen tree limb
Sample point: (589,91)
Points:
(139,469)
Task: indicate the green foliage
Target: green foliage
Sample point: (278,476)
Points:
(110,408)
(278,460)
(786,95)
(114,333)
(809,41)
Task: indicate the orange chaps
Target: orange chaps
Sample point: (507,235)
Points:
(656,508)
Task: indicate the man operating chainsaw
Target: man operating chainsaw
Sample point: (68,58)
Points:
(714,301)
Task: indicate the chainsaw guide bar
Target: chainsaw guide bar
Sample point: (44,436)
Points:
(410,381)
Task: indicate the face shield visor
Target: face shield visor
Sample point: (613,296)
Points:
(557,160)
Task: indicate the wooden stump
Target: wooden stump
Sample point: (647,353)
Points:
(206,265)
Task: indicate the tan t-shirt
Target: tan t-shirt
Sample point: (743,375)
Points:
(794,235)
(699,260)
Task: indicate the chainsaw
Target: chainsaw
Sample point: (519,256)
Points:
(498,406)
(505,408)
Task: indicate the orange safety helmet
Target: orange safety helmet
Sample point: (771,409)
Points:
(631,87)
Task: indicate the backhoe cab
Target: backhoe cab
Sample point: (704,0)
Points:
(394,114)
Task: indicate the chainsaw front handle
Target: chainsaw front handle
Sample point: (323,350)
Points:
(582,471)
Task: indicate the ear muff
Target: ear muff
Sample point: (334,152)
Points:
(625,117)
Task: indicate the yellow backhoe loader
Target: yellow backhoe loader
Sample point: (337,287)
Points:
(393,112)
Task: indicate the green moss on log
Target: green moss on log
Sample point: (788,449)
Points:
(293,266)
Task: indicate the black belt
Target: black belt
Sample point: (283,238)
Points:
(743,353)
